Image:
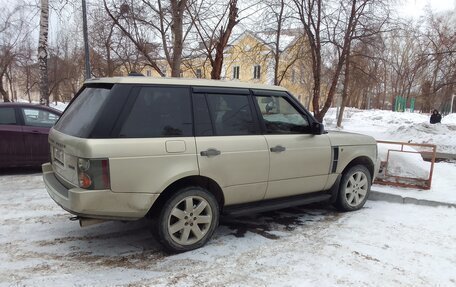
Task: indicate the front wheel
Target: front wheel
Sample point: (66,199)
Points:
(354,188)
(188,219)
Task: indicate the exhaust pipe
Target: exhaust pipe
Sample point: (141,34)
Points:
(84,221)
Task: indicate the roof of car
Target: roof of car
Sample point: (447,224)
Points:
(183,82)
(29,105)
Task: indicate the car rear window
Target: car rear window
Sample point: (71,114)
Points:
(82,114)
(7,116)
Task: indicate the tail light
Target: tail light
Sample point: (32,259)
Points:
(94,173)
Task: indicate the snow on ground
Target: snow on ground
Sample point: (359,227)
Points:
(407,164)
(381,245)
(407,127)
(443,186)
(398,126)
(59,105)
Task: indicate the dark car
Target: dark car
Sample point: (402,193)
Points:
(24,130)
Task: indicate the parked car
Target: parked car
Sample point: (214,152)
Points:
(185,151)
(24,130)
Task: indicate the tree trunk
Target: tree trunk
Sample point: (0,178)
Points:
(43,53)
(2,91)
(177,10)
(222,42)
(345,90)
(9,77)
(277,44)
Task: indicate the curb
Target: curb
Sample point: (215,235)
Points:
(394,198)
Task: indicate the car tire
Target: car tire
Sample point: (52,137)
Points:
(187,219)
(354,188)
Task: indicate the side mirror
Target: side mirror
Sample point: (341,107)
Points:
(318,128)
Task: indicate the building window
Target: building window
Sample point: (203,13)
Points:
(236,72)
(199,73)
(256,71)
(149,73)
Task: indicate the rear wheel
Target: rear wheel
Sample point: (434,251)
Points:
(188,219)
(354,188)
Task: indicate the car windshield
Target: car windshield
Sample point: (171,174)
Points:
(81,115)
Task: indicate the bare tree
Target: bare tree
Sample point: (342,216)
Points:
(144,21)
(331,26)
(43,52)
(12,33)
(440,68)
(105,41)
(364,23)
(214,24)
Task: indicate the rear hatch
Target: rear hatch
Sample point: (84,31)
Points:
(68,138)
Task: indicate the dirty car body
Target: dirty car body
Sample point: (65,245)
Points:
(185,151)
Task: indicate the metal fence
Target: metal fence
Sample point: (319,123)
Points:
(385,178)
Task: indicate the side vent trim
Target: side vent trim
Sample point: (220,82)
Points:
(335,159)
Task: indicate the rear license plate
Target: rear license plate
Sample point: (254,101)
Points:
(59,156)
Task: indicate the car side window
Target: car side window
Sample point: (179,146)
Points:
(7,116)
(280,117)
(232,115)
(39,118)
(159,112)
(203,123)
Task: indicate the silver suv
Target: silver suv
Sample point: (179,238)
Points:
(185,151)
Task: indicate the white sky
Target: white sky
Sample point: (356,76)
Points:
(416,8)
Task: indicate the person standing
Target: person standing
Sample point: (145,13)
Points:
(436,117)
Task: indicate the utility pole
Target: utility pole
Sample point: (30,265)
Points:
(86,40)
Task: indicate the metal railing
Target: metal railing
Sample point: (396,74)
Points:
(403,181)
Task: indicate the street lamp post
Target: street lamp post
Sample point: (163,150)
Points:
(86,40)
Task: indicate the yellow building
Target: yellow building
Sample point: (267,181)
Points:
(250,58)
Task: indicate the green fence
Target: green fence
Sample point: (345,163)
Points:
(400,104)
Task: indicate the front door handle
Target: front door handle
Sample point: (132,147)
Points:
(277,148)
(210,152)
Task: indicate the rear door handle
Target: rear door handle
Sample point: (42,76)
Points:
(277,148)
(210,152)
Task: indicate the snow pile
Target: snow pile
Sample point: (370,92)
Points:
(404,164)
(449,119)
(444,136)
(398,126)
(59,106)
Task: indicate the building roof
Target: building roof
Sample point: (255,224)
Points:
(183,82)
(287,38)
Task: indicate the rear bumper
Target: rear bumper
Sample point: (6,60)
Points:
(103,204)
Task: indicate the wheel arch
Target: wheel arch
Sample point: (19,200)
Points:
(194,180)
(361,160)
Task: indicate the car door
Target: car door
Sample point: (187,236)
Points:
(11,138)
(299,160)
(230,147)
(37,123)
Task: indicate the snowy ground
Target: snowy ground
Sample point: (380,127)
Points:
(381,245)
(408,127)
(443,188)
(398,126)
